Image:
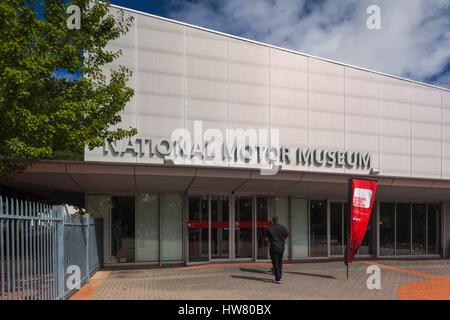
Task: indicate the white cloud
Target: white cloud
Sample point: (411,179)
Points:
(414,40)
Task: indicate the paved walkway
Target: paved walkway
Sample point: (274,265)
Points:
(399,280)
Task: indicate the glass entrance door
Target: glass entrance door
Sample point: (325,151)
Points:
(263,220)
(198,226)
(243,228)
(209,228)
(211,236)
(220,227)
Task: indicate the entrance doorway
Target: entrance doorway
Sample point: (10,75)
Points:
(221,227)
(122,229)
(243,228)
(198,226)
(209,228)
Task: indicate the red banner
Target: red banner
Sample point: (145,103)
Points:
(361,197)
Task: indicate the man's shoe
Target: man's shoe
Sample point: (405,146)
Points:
(279,281)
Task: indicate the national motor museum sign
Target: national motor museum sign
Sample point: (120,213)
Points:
(229,153)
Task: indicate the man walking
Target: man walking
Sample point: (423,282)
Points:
(275,237)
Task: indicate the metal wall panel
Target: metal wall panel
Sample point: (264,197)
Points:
(426,132)
(445,135)
(161,68)
(326,108)
(361,114)
(207,83)
(249,86)
(395,127)
(127,44)
(289,99)
(184,74)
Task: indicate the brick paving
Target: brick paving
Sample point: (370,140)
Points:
(327,280)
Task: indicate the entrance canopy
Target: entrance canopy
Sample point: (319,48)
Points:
(93,177)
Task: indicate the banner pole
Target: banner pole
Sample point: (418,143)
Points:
(349,220)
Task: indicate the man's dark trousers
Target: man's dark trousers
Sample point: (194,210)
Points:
(277,262)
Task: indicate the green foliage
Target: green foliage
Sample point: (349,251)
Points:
(45,116)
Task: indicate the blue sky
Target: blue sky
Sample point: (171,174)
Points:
(414,40)
(158,7)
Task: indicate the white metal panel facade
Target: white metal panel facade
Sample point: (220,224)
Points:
(182,74)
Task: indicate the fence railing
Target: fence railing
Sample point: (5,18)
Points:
(82,247)
(44,253)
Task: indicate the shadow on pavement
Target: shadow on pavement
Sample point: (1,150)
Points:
(255,270)
(310,275)
(290,272)
(252,278)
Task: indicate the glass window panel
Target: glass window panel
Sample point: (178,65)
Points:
(387,229)
(403,229)
(198,228)
(244,228)
(122,229)
(434,228)
(336,219)
(419,228)
(172,227)
(220,227)
(345,223)
(299,229)
(263,215)
(100,207)
(277,207)
(318,228)
(147,237)
(282,211)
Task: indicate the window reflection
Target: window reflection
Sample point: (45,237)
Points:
(171,227)
(299,228)
(434,230)
(405,229)
(262,216)
(387,229)
(220,229)
(337,231)
(122,229)
(318,228)
(244,228)
(198,228)
(418,228)
(147,233)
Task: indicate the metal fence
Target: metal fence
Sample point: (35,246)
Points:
(82,247)
(44,253)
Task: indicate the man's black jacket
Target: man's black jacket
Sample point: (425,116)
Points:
(277,234)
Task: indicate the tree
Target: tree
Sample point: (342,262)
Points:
(55,94)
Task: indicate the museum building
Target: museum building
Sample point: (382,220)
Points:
(292,128)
